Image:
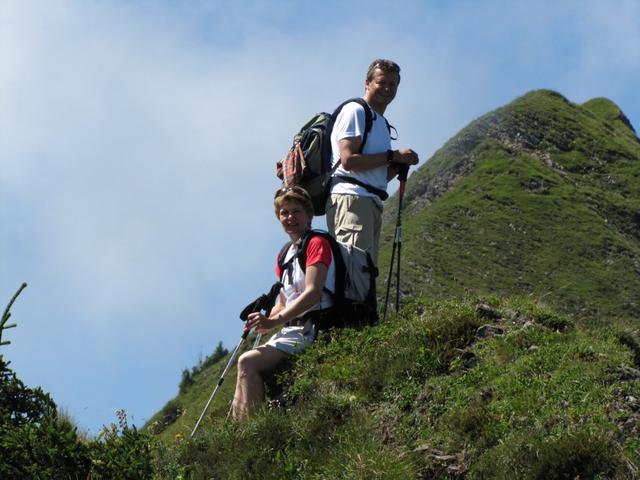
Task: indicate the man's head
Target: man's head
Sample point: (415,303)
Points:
(381,85)
(385,65)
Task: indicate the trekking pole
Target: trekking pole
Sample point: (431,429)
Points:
(397,241)
(263,302)
(220,381)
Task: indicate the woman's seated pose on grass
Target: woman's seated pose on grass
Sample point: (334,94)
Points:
(303,292)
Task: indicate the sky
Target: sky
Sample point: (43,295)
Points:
(138,142)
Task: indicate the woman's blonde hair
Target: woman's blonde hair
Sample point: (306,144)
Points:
(296,194)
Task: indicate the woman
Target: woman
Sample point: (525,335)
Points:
(303,292)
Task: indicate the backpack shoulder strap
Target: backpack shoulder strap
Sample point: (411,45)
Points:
(338,261)
(281,257)
(391,127)
(368,116)
(302,251)
(300,255)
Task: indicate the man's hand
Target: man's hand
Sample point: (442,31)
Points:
(402,159)
(405,156)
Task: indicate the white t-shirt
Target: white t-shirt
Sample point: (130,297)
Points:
(318,251)
(351,123)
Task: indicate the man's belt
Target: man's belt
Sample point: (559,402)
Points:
(381,194)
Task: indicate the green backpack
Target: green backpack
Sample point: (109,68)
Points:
(308,162)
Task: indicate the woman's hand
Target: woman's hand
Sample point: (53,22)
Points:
(260,323)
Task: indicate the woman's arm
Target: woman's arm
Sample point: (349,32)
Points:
(314,280)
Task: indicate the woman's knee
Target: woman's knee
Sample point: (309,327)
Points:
(247,363)
(259,360)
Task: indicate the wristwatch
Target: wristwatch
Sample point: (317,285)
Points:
(389,157)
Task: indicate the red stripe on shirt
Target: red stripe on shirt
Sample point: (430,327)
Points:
(318,251)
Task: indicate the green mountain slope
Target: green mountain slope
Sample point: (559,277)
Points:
(540,197)
(517,354)
(505,389)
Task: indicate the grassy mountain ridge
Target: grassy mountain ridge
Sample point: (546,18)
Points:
(480,388)
(517,354)
(540,197)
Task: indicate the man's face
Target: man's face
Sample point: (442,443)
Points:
(381,89)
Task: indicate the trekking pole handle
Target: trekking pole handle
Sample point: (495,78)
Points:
(265,302)
(403,170)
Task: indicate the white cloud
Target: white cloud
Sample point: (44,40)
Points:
(131,153)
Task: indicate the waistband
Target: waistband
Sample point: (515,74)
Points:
(315,316)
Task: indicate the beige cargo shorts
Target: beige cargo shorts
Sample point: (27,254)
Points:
(355,220)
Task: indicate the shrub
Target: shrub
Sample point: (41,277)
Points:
(168,415)
(122,452)
(580,455)
(34,441)
(186,381)
(536,455)
(218,354)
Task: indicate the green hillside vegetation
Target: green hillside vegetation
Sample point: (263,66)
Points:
(448,389)
(517,354)
(542,198)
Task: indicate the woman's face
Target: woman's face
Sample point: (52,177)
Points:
(293,218)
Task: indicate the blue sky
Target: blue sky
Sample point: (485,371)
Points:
(138,142)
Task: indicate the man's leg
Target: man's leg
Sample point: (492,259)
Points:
(331,214)
(249,385)
(355,221)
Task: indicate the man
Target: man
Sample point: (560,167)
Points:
(354,209)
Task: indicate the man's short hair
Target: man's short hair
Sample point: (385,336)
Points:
(385,65)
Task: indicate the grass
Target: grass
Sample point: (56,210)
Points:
(426,395)
(542,199)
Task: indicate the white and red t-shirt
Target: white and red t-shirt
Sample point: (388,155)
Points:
(318,251)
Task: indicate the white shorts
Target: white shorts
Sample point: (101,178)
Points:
(291,340)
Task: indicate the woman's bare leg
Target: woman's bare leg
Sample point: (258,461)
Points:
(250,385)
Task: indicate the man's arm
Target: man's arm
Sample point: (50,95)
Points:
(352,160)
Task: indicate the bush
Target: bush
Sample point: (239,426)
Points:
(122,452)
(38,443)
(20,405)
(218,354)
(34,442)
(580,455)
(186,381)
